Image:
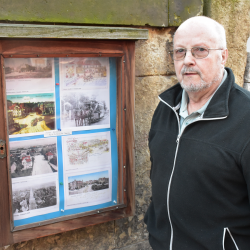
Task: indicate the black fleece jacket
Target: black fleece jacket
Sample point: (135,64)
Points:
(201,178)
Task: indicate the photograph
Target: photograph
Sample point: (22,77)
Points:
(30,113)
(84,73)
(86,150)
(88,182)
(85,110)
(29,75)
(34,196)
(24,68)
(33,157)
(85,188)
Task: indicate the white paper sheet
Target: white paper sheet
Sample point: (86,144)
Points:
(29,75)
(84,93)
(84,73)
(85,188)
(33,157)
(86,151)
(36,195)
(85,110)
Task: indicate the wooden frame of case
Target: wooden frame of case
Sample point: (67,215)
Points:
(124,50)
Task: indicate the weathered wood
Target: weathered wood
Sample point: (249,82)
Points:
(129,131)
(53,47)
(69,217)
(119,114)
(72,32)
(5,236)
(69,225)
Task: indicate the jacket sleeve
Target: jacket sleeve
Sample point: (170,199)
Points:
(245,165)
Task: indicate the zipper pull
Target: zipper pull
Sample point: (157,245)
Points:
(178,138)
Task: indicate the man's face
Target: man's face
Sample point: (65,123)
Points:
(198,74)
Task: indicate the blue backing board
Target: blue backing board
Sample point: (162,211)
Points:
(114,155)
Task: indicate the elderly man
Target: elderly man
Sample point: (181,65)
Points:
(200,149)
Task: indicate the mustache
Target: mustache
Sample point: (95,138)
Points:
(190,70)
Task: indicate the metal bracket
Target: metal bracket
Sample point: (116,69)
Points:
(2,149)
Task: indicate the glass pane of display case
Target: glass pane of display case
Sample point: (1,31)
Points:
(64,127)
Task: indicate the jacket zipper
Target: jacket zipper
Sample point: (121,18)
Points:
(176,151)
(224,233)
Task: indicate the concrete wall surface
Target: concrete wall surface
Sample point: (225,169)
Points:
(154,74)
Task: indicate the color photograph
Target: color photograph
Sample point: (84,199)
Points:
(86,150)
(30,113)
(85,189)
(88,182)
(84,73)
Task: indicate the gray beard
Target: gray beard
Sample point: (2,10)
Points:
(198,86)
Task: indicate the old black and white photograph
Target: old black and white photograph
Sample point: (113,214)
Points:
(33,157)
(85,110)
(34,196)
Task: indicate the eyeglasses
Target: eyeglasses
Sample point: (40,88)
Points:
(197,52)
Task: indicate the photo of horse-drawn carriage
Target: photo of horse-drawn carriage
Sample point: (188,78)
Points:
(91,112)
(81,110)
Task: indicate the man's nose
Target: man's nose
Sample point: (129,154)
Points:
(189,59)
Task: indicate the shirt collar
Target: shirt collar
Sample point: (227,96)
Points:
(185,99)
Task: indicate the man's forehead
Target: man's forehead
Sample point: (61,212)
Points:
(194,32)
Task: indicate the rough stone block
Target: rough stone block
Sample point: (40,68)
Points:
(234,16)
(139,246)
(151,56)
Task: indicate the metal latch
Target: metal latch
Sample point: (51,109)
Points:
(2,149)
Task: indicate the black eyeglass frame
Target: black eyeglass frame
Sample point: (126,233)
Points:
(193,54)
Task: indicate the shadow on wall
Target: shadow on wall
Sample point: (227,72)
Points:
(247,70)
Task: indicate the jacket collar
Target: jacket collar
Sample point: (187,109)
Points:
(217,107)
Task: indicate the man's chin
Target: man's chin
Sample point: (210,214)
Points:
(195,87)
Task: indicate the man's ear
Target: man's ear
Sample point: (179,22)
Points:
(224,56)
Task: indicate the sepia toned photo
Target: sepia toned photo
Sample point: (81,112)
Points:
(25,68)
(30,113)
(33,157)
(88,182)
(85,110)
(29,75)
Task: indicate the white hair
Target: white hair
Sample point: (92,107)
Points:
(214,25)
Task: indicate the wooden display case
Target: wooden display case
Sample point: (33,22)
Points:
(121,53)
